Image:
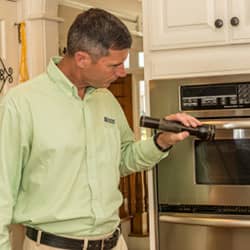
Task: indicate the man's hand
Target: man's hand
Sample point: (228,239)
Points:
(167,139)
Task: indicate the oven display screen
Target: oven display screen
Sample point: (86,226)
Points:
(222,162)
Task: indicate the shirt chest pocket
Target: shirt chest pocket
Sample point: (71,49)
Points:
(111,136)
(110,149)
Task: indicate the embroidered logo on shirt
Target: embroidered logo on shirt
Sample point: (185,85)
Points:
(109,120)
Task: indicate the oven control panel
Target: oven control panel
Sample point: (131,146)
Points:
(215,96)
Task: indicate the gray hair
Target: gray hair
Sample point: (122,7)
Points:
(95,31)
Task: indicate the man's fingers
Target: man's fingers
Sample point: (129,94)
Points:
(185,119)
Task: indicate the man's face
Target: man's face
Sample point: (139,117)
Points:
(107,69)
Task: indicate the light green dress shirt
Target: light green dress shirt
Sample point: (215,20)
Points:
(61,157)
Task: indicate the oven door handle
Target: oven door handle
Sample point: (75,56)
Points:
(229,124)
(202,220)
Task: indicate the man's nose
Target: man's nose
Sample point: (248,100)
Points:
(120,71)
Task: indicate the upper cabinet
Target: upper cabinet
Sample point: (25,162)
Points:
(179,24)
(182,24)
(239,19)
(196,37)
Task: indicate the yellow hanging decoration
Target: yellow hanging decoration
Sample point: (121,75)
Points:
(23,69)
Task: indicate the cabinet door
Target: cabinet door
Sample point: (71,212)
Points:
(181,24)
(240,9)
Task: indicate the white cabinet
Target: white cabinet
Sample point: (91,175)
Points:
(181,24)
(241,10)
(178,23)
(196,37)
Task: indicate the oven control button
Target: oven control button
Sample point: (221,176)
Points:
(218,100)
(233,100)
(227,101)
(223,100)
(199,102)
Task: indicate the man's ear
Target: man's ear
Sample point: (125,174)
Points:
(82,59)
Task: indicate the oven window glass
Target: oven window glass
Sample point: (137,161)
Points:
(222,162)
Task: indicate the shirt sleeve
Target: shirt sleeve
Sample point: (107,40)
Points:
(137,155)
(12,150)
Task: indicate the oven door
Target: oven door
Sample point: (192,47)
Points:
(203,232)
(204,191)
(208,172)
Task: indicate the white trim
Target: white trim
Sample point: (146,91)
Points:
(82,6)
(136,19)
(3,50)
(45,17)
(136,33)
(152,211)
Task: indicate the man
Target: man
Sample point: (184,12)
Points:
(65,142)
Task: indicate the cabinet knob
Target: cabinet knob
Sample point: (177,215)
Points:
(218,23)
(235,21)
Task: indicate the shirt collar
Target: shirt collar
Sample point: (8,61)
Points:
(57,76)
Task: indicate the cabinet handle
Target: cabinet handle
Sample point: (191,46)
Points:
(235,21)
(218,23)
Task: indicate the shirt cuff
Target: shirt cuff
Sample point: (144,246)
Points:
(150,152)
(158,146)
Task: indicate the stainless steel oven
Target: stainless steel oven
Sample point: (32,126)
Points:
(203,188)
